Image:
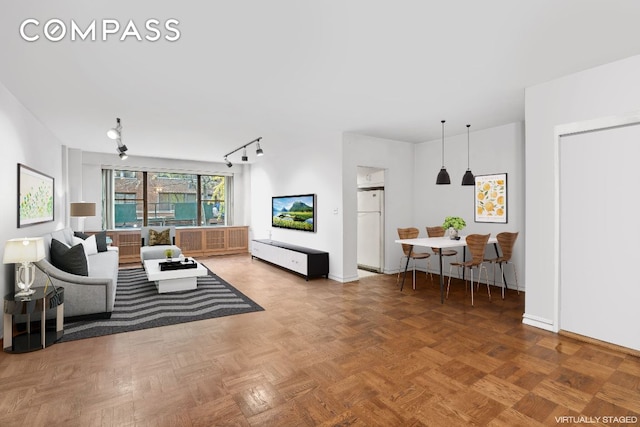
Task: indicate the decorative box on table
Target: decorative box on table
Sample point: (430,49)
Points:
(180,264)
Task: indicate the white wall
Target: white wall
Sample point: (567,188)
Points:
(494,150)
(26,141)
(311,166)
(396,157)
(605,91)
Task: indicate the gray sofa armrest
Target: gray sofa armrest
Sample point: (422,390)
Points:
(63,276)
(83,295)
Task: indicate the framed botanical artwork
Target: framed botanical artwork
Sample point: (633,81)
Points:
(35,197)
(490,198)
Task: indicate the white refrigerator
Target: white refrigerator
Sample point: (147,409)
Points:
(371,229)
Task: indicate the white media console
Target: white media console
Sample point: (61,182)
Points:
(307,262)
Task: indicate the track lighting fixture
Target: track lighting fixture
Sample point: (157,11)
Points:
(116,133)
(443,175)
(468,178)
(245,158)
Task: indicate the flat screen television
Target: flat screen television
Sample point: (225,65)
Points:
(294,212)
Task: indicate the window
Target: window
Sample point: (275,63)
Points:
(126,174)
(128,199)
(162,198)
(213,200)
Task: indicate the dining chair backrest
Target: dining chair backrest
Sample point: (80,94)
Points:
(506,240)
(436,231)
(407,233)
(476,244)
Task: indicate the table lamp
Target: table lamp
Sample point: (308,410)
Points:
(24,251)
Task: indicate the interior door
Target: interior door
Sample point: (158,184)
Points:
(600,235)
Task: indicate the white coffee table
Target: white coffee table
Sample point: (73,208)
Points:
(173,280)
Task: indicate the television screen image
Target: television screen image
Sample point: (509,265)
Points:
(294,212)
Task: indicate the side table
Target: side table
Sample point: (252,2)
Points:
(42,300)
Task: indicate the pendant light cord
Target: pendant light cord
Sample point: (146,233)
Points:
(442,121)
(468,126)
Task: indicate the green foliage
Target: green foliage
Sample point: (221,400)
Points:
(294,220)
(455,222)
(37,203)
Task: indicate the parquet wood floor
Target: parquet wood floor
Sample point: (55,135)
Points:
(327,354)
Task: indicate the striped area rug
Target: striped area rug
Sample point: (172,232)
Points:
(138,306)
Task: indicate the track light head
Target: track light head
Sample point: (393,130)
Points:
(229,164)
(244,155)
(121,147)
(114,133)
(123,155)
(259,151)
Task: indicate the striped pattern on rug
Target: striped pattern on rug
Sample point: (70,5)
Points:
(138,305)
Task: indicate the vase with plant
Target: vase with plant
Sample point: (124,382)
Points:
(454,224)
(168,253)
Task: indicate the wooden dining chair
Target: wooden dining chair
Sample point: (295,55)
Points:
(476,244)
(506,241)
(438,231)
(411,233)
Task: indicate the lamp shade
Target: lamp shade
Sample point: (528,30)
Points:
(468,178)
(28,249)
(443,177)
(83,209)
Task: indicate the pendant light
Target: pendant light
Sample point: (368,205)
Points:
(468,178)
(443,175)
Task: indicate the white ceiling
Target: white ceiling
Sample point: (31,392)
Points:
(298,70)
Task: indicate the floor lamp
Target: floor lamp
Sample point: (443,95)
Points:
(81,210)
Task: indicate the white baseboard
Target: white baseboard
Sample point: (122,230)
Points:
(344,279)
(539,322)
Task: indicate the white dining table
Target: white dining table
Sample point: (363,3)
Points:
(440,243)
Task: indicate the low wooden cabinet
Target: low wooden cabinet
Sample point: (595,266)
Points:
(193,241)
(304,261)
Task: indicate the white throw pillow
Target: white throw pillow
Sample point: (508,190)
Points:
(90,245)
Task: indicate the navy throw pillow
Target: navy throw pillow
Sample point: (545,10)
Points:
(81,235)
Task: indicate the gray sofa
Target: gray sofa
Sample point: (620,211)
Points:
(92,295)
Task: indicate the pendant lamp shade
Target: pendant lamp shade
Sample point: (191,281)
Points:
(443,175)
(468,178)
